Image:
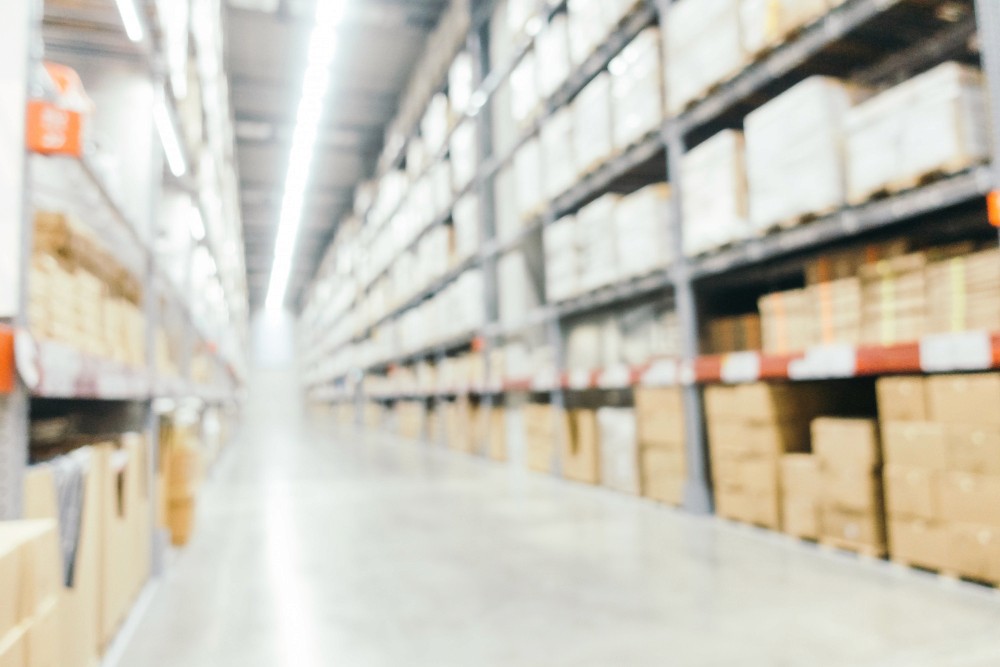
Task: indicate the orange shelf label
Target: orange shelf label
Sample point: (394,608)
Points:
(54,131)
(8,372)
(993,206)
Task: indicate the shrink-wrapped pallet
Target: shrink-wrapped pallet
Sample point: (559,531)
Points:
(637,89)
(461,83)
(435,123)
(463,154)
(593,138)
(714,194)
(619,449)
(932,124)
(524,99)
(584,351)
(704,48)
(520,285)
(598,251)
(795,152)
(561,260)
(643,221)
(557,151)
(588,26)
(466,223)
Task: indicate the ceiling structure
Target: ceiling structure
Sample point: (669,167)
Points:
(266,40)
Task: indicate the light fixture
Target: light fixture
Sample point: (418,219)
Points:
(130,19)
(315,86)
(168,136)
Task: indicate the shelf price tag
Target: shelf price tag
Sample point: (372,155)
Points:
(825,362)
(741,367)
(579,379)
(662,373)
(966,351)
(618,376)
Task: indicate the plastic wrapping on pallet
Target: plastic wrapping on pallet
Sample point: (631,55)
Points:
(637,89)
(588,26)
(520,285)
(561,259)
(552,55)
(598,252)
(795,152)
(619,449)
(557,150)
(766,23)
(593,133)
(933,123)
(465,219)
(704,47)
(584,345)
(461,82)
(642,223)
(530,183)
(435,123)
(518,12)
(714,194)
(463,154)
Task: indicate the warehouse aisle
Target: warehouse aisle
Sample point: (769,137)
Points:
(318,548)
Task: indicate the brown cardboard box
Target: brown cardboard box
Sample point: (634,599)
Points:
(759,476)
(663,475)
(80,641)
(659,416)
(975,552)
(773,439)
(497,435)
(581,450)
(919,444)
(777,402)
(760,510)
(852,530)
(721,402)
(659,400)
(800,518)
(918,542)
(853,490)
(973,448)
(902,398)
(800,476)
(846,443)
(971,498)
(13,648)
(44,633)
(912,493)
(11,567)
(39,579)
(965,399)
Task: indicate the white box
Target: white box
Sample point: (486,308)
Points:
(598,258)
(593,129)
(795,151)
(520,292)
(588,27)
(530,181)
(933,122)
(584,346)
(714,194)
(557,150)
(463,154)
(552,56)
(524,97)
(461,82)
(465,218)
(766,23)
(704,47)
(643,222)
(619,449)
(637,89)
(435,124)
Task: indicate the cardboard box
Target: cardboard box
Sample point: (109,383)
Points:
(759,510)
(721,402)
(851,489)
(43,636)
(39,577)
(13,650)
(922,543)
(902,398)
(774,439)
(975,552)
(663,475)
(11,567)
(917,444)
(800,477)
(971,498)
(800,518)
(972,448)
(853,530)
(580,451)
(660,417)
(774,402)
(497,435)
(912,493)
(619,449)
(965,399)
(846,444)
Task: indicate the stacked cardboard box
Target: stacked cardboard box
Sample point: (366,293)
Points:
(800,495)
(740,333)
(553,57)
(750,428)
(593,134)
(851,510)
(182,464)
(460,420)
(787,321)
(530,183)
(942,447)
(934,123)
(497,434)
(580,450)
(561,260)
(373,413)
(642,230)
(894,294)
(31,611)
(619,449)
(794,152)
(660,428)
(598,259)
(714,193)
(963,293)
(410,419)
(545,426)
(559,166)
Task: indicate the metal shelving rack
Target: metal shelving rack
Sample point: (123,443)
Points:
(806,53)
(35,370)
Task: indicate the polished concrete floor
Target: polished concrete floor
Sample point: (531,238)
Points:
(318,547)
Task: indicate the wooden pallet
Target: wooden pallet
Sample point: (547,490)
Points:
(945,574)
(795,221)
(846,546)
(912,182)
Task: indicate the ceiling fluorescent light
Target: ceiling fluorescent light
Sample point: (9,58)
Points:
(169,137)
(130,19)
(315,85)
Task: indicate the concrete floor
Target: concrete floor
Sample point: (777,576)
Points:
(317,548)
